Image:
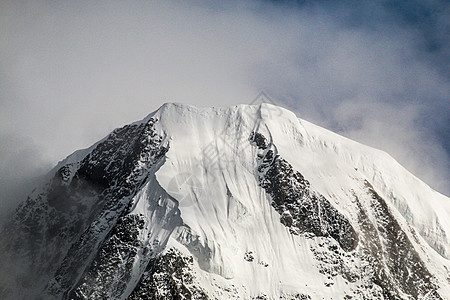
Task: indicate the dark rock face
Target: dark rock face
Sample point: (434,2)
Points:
(389,256)
(298,296)
(116,169)
(128,248)
(112,162)
(300,209)
(59,229)
(259,139)
(114,260)
(168,276)
(249,256)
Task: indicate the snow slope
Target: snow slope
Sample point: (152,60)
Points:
(236,216)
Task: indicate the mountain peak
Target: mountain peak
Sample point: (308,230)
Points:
(246,201)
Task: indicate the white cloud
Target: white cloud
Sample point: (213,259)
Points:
(72,72)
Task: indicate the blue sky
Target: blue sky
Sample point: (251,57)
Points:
(375,71)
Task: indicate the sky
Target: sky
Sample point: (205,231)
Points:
(72,71)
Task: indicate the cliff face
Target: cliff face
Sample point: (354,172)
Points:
(226,203)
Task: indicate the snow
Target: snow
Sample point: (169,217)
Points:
(230,214)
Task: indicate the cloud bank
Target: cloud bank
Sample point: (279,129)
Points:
(71,72)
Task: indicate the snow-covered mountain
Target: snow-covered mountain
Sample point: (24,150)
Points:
(247,202)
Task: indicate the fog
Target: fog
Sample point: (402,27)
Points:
(70,72)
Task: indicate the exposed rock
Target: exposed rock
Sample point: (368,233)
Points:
(300,209)
(169,276)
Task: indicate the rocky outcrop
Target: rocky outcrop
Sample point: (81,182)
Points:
(58,229)
(169,276)
(384,265)
(300,209)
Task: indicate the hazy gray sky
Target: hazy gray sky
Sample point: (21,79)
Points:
(375,71)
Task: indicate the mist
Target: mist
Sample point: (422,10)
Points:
(70,72)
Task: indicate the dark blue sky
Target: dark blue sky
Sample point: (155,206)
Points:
(429,23)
